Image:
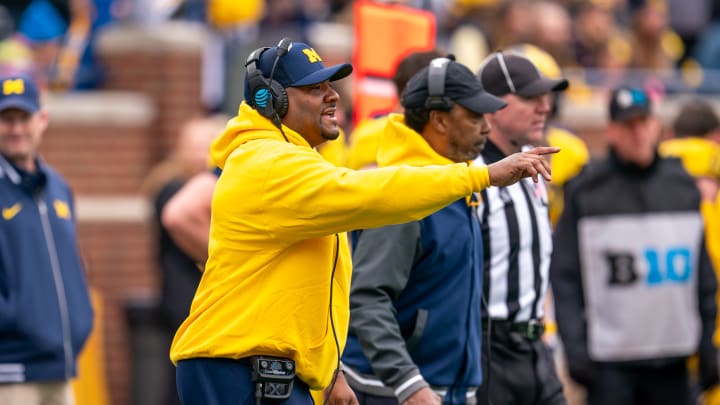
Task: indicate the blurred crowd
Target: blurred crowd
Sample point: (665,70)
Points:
(665,45)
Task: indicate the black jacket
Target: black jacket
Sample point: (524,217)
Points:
(611,189)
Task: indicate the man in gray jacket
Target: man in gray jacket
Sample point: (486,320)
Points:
(416,289)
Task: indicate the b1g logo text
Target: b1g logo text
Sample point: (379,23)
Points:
(672,265)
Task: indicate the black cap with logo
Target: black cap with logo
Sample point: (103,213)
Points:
(507,72)
(627,103)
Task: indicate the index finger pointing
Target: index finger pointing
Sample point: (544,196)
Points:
(544,150)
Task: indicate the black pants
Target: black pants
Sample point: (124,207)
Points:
(636,385)
(517,371)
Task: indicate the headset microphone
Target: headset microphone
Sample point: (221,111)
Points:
(283,48)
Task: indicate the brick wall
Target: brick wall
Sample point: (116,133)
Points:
(163,62)
(118,258)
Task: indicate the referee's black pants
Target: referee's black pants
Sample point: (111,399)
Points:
(517,370)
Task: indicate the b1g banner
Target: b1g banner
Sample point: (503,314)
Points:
(639,275)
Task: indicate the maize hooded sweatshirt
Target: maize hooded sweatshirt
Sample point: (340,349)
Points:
(274,253)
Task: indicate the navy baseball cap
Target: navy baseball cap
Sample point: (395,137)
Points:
(627,103)
(19,92)
(461,86)
(301,66)
(508,72)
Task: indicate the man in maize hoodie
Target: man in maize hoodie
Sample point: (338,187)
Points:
(277,278)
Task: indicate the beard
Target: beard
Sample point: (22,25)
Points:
(330,135)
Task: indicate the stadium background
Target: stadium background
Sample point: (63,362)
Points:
(109,129)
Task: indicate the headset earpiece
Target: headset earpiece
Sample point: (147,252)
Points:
(436,85)
(259,98)
(267,96)
(280,97)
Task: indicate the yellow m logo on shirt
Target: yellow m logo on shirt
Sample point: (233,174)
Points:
(312,55)
(13,86)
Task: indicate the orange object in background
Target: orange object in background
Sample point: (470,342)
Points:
(384,34)
(90,387)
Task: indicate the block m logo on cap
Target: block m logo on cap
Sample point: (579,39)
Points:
(13,86)
(312,55)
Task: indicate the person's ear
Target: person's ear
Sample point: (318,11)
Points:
(44,119)
(439,120)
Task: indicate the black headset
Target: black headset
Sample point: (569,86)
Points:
(267,96)
(436,85)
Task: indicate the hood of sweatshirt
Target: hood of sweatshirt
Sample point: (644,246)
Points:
(248,126)
(400,145)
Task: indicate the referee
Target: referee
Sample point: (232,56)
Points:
(518,367)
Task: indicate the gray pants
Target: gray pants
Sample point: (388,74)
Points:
(41,393)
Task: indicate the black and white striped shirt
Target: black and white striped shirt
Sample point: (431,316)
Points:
(517,243)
